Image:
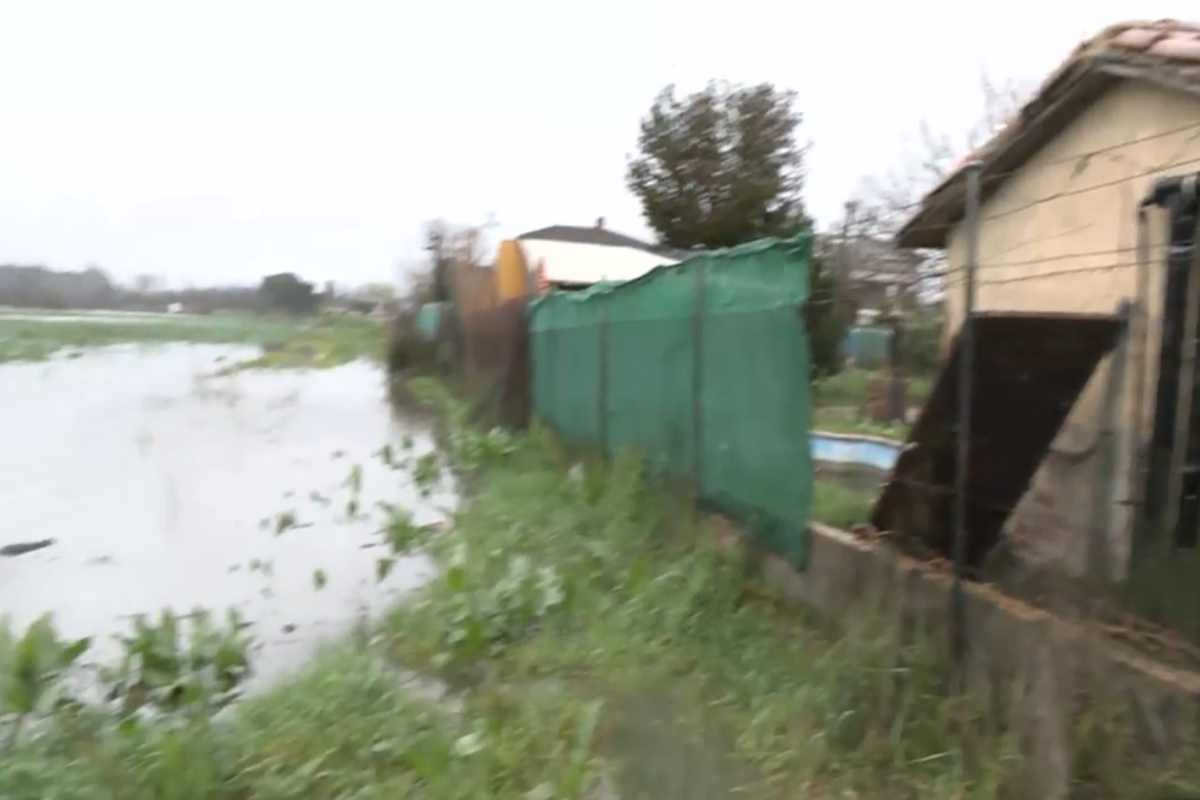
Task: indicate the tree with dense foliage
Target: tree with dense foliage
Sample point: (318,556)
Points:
(285,292)
(827,321)
(721,166)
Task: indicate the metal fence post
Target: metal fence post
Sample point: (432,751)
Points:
(1137,544)
(966,367)
(602,388)
(698,380)
(549,379)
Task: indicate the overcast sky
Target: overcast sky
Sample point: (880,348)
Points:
(213,142)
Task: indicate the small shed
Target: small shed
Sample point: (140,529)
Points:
(1072,222)
(574,257)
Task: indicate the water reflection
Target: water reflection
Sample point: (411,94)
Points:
(162,485)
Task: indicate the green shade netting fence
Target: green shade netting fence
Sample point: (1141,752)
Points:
(703,367)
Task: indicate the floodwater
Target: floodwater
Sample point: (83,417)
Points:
(154,477)
(51,317)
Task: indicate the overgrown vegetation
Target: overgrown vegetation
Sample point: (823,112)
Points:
(561,594)
(575,601)
(321,341)
(589,578)
(841,419)
(31,669)
(849,388)
(348,727)
(839,400)
(840,506)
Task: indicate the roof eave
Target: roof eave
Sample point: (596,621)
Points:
(943,207)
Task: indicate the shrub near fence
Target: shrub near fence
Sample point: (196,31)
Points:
(703,367)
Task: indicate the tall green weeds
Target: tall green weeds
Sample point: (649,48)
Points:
(840,506)
(563,587)
(588,575)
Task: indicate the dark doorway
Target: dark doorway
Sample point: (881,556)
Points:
(1028,371)
(1158,505)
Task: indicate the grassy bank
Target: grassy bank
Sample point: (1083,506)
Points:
(583,638)
(590,634)
(586,581)
(285,342)
(346,727)
(592,584)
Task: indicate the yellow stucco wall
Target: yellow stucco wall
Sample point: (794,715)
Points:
(512,273)
(1053,519)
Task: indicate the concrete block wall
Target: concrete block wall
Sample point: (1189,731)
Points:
(1039,670)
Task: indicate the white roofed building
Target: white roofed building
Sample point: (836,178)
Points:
(570,256)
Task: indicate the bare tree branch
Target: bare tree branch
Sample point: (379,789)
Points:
(886,202)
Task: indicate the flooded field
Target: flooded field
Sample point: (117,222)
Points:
(163,485)
(109,316)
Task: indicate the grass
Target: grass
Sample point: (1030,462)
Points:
(593,633)
(845,388)
(386,742)
(638,600)
(840,506)
(841,419)
(838,401)
(327,342)
(590,632)
(1161,587)
(286,342)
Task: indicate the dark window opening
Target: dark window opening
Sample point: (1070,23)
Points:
(1170,364)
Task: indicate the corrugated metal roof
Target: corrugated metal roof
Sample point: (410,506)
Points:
(584,264)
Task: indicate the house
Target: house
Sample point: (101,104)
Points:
(574,257)
(876,275)
(1112,136)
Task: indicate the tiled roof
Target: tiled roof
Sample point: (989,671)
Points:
(594,235)
(1168,39)
(1165,52)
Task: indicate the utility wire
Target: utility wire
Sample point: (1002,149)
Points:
(1064,256)
(1067,193)
(1050,274)
(1074,157)
(1085,189)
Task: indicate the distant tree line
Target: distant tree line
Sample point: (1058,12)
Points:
(91,289)
(286,293)
(38,287)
